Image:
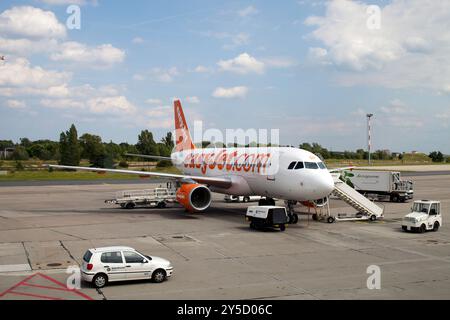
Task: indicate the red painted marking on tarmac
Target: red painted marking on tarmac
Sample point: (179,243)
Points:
(34,295)
(44,287)
(25,283)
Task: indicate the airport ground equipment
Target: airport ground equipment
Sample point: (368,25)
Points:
(267,217)
(425,215)
(366,209)
(231,198)
(157,197)
(379,185)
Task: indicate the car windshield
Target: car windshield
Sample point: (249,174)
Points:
(421,207)
(147,256)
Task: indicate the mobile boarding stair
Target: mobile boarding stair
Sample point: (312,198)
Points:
(367,210)
(157,197)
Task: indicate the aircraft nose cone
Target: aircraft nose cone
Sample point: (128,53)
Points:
(327,184)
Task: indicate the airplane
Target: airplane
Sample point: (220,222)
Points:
(286,173)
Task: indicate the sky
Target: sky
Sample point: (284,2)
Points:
(312,69)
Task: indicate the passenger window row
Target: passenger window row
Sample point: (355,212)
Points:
(308,165)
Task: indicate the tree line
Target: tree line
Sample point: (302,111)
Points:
(70,149)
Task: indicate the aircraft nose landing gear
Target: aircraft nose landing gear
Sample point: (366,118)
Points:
(293,217)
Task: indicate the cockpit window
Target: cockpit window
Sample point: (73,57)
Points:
(311,165)
(299,165)
(322,165)
(291,165)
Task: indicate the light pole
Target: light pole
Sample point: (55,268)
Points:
(369,137)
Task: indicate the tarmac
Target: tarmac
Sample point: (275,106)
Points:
(44,229)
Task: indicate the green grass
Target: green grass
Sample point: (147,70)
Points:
(45,175)
(333,163)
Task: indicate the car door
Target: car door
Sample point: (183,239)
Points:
(113,265)
(433,215)
(137,266)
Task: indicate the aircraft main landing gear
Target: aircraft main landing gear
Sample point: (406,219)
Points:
(293,217)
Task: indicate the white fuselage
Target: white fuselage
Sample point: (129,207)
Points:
(260,171)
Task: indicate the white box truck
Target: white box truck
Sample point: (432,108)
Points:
(379,185)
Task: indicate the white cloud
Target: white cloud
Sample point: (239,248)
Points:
(69,2)
(62,103)
(27,21)
(15,104)
(153,101)
(117,104)
(24,47)
(242,64)
(233,40)
(395,107)
(138,40)
(233,92)
(138,77)
(279,62)
(444,117)
(409,50)
(164,75)
(193,100)
(159,111)
(237,40)
(319,55)
(19,73)
(159,117)
(201,69)
(102,55)
(248,11)
(159,123)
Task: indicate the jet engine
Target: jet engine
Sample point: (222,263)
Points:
(316,203)
(194,197)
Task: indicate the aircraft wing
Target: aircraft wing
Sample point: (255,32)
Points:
(147,156)
(213,181)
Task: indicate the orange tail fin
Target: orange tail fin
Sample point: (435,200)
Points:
(182,135)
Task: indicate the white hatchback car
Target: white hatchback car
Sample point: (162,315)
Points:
(109,264)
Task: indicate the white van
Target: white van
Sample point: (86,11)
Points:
(109,264)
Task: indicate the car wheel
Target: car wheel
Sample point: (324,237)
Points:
(394,198)
(373,217)
(161,205)
(436,226)
(422,228)
(404,228)
(159,276)
(330,219)
(130,205)
(282,227)
(246,199)
(100,280)
(294,218)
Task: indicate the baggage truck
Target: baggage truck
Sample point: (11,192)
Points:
(379,185)
(267,217)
